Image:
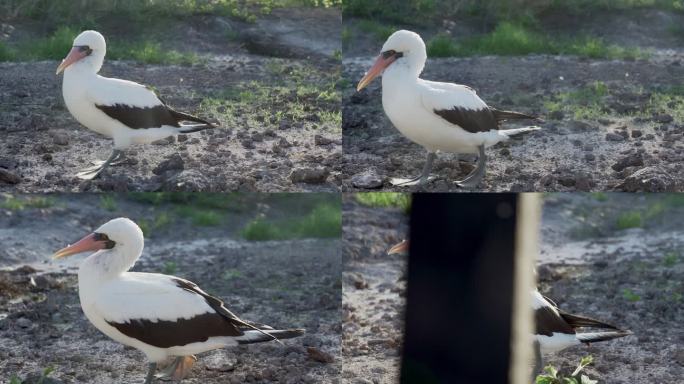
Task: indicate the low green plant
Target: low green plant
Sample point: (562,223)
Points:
(670,259)
(630,219)
(385,200)
(630,296)
(14,203)
(323,221)
(108,203)
(170,267)
(552,376)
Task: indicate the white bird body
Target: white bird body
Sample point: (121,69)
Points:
(125,111)
(82,93)
(558,341)
(160,315)
(410,102)
(440,117)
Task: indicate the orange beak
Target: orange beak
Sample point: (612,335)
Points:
(86,244)
(378,67)
(399,248)
(74,55)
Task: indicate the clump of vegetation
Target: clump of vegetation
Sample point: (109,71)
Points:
(170,268)
(14,203)
(587,102)
(385,200)
(630,219)
(108,203)
(324,221)
(630,296)
(670,259)
(510,39)
(552,376)
(160,221)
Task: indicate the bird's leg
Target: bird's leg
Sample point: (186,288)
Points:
(475,177)
(92,172)
(152,368)
(538,361)
(179,369)
(424,176)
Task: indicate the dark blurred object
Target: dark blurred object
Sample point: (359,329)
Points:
(460,283)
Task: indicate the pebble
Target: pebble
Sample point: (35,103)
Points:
(649,179)
(322,140)
(316,175)
(628,161)
(175,163)
(24,322)
(610,136)
(368,179)
(319,355)
(8,177)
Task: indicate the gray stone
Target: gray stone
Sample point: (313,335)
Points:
(367,180)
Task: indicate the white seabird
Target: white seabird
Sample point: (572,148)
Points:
(555,329)
(438,116)
(162,316)
(128,112)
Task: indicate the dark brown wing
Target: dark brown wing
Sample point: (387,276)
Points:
(471,120)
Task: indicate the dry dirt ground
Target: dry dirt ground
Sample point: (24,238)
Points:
(373,292)
(625,146)
(268,140)
(293,283)
(632,278)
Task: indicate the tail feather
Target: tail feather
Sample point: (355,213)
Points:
(518,131)
(500,115)
(577,321)
(260,336)
(593,337)
(194,128)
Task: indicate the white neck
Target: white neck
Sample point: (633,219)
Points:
(107,264)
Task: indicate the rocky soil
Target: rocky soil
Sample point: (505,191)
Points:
(373,292)
(264,146)
(632,278)
(283,283)
(626,146)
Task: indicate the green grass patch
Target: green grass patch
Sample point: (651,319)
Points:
(380,31)
(160,221)
(587,102)
(323,221)
(170,268)
(108,202)
(628,295)
(670,259)
(385,200)
(59,43)
(631,219)
(13,203)
(512,39)
(201,217)
(302,93)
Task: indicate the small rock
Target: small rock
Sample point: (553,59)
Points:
(632,160)
(316,354)
(322,140)
(359,281)
(636,133)
(316,175)
(590,156)
(165,141)
(367,180)
(610,136)
(663,118)
(679,356)
(8,177)
(182,138)
(60,139)
(579,126)
(175,162)
(649,179)
(24,322)
(186,181)
(220,363)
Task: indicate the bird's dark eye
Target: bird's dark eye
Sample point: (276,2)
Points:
(85,48)
(109,244)
(387,54)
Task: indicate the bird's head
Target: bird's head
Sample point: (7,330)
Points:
(89,48)
(114,233)
(401,47)
(402,247)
